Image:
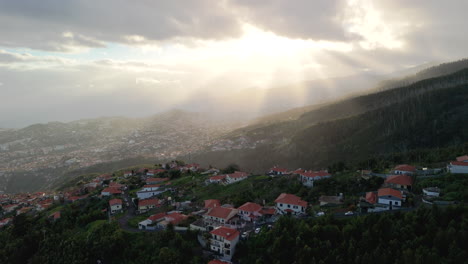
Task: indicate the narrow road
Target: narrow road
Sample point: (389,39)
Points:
(123,221)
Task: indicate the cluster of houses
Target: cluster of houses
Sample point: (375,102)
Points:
(307,177)
(23,203)
(394,190)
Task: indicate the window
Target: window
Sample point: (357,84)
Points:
(281,205)
(295,206)
(289,206)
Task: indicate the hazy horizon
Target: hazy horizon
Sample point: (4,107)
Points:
(64,61)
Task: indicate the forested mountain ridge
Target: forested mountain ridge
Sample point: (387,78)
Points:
(429,113)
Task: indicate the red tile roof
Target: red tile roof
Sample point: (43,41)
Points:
(400,179)
(217,178)
(290,199)
(217,261)
(211,203)
(268,211)
(55,215)
(147,202)
(115,202)
(389,191)
(371,197)
(220,212)
(226,232)
(462,158)
(250,207)
(175,218)
(459,163)
(405,167)
(156,217)
(152,185)
(313,174)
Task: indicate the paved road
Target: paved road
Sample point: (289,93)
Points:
(123,221)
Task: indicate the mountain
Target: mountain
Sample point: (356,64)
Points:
(35,156)
(426,114)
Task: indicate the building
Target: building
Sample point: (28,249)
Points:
(110,191)
(290,204)
(431,191)
(115,206)
(250,211)
(148,204)
(458,166)
(401,181)
(142,194)
(236,177)
(309,177)
(223,241)
(404,169)
(161,220)
(218,216)
(217,179)
(212,203)
(371,197)
(277,171)
(389,196)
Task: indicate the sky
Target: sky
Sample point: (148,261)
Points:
(67,60)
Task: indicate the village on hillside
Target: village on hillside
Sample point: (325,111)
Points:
(227,206)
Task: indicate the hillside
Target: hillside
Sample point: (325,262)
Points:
(427,114)
(35,156)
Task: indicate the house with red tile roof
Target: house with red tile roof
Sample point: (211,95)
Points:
(115,206)
(250,211)
(127,174)
(212,203)
(404,169)
(277,171)
(236,177)
(290,204)
(55,216)
(308,177)
(116,185)
(223,241)
(401,181)
(147,204)
(218,216)
(110,191)
(389,196)
(459,166)
(161,220)
(217,179)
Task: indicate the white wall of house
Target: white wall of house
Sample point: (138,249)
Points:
(430,193)
(145,195)
(282,207)
(116,208)
(222,246)
(394,201)
(458,169)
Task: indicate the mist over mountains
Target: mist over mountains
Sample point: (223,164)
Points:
(429,110)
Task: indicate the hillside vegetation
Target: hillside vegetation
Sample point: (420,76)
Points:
(432,113)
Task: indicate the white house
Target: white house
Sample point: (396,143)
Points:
(147,194)
(308,177)
(236,177)
(250,211)
(217,179)
(458,167)
(389,196)
(115,206)
(151,187)
(223,241)
(277,171)
(289,203)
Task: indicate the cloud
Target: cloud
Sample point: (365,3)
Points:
(67,25)
(305,19)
